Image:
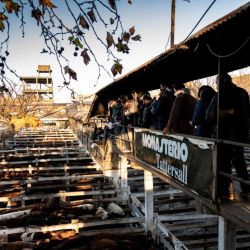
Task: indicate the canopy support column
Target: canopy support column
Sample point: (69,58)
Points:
(227,234)
(149,201)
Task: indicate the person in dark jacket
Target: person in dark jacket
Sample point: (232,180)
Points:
(202,127)
(117,116)
(117,111)
(164,105)
(233,126)
(181,112)
(148,119)
(141,106)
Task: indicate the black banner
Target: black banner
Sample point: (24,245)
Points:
(186,160)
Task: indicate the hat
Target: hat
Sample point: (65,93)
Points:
(179,85)
(223,78)
(146,97)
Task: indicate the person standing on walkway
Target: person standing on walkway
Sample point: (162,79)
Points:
(232,126)
(148,119)
(181,112)
(202,127)
(164,105)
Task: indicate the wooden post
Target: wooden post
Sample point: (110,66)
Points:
(123,179)
(149,201)
(3,237)
(227,234)
(123,172)
(29,178)
(67,186)
(172,24)
(62,196)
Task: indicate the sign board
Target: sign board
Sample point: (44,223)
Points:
(188,161)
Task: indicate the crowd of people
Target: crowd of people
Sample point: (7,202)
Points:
(177,111)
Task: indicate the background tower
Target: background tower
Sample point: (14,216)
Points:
(40,85)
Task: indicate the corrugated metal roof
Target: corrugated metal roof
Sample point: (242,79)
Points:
(220,21)
(190,60)
(197,35)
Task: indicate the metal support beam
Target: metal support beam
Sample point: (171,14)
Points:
(227,234)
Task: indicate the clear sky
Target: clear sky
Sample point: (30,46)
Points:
(151,19)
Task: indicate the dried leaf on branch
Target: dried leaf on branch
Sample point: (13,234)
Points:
(112,4)
(11,6)
(91,15)
(71,72)
(122,47)
(37,14)
(132,31)
(44,51)
(54,29)
(110,40)
(83,22)
(116,68)
(86,58)
(136,38)
(47,3)
(2,27)
(2,18)
(126,37)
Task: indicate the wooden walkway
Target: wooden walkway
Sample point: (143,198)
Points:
(237,211)
(182,221)
(184,218)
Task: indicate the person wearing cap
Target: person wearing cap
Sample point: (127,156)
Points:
(148,119)
(164,105)
(181,112)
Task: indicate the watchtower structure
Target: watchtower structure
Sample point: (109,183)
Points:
(40,85)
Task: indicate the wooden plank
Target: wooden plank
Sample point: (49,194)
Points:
(161,229)
(160,192)
(237,212)
(56,195)
(42,149)
(54,178)
(36,161)
(53,168)
(189,225)
(121,230)
(13,215)
(37,155)
(70,226)
(164,218)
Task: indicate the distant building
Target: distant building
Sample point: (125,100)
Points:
(40,85)
(37,100)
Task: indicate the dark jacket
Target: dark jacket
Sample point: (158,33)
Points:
(117,113)
(182,113)
(233,114)
(203,128)
(148,119)
(163,108)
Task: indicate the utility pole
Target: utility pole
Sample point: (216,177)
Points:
(172,24)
